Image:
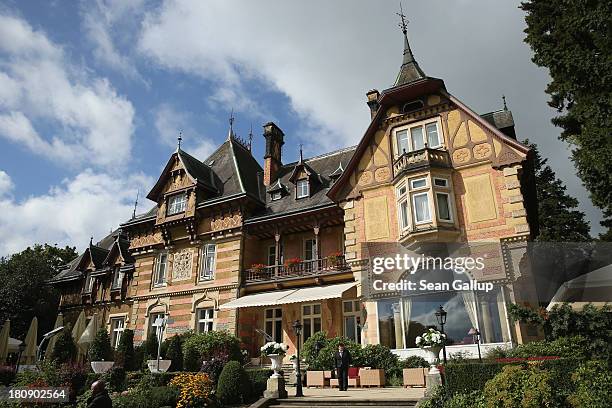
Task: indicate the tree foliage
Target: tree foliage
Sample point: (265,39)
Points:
(572,39)
(559,219)
(100,349)
(125,351)
(24,290)
(64,350)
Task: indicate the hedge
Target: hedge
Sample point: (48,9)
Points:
(467,377)
(259,380)
(233,386)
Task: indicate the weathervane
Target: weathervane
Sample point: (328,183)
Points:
(504,99)
(231,120)
(180,138)
(301,155)
(138,194)
(403,23)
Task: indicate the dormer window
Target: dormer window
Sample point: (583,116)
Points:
(302,189)
(277,195)
(177,203)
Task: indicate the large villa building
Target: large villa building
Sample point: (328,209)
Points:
(248,247)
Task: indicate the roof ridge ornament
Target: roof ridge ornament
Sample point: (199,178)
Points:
(179,139)
(504,99)
(230,133)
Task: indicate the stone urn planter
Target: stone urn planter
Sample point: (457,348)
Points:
(164,365)
(432,358)
(277,363)
(101,367)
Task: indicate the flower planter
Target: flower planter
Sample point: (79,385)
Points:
(277,363)
(432,358)
(164,365)
(100,367)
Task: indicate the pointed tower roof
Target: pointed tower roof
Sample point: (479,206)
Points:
(410,70)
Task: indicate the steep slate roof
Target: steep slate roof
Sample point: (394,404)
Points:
(321,166)
(410,70)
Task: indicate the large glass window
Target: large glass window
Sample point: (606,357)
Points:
(444,211)
(311,320)
(117,279)
(273,323)
(302,188)
(414,137)
(117,327)
(208,264)
(403,145)
(352,320)
(418,142)
(433,139)
(177,203)
(420,204)
(205,319)
(161,269)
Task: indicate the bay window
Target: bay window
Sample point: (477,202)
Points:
(415,136)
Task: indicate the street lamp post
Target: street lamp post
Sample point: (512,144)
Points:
(297,328)
(476,337)
(441,317)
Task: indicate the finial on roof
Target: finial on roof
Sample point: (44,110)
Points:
(251,137)
(91,240)
(410,70)
(301,153)
(230,133)
(136,202)
(180,138)
(504,99)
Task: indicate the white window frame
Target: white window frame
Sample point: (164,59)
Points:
(209,251)
(301,192)
(355,314)
(89,283)
(414,213)
(450,206)
(408,129)
(176,206)
(118,275)
(117,330)
(273,320)
(157,282)
(152,318)
(436,179)
(310,318)
(412,181)
(208,320)
(402,200)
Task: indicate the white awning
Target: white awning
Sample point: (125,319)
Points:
(281,297)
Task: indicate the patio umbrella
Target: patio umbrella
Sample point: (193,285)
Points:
(89,334)
(29,353)
(77,332)
(4,341)
(59,322)
(13,345)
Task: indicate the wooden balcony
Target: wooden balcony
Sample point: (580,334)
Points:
(419,159)
(302,269)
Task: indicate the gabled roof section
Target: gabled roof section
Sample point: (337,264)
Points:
(277,186)
(199,173)
(337,173)
(118,249)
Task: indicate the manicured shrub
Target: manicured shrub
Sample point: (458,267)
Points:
(149,380)
(437,399)
(125,355)
(325,359)
(233,386)
(259,381)
(592,386)
(379,356)
(150,347)
(139,357)
(517,386)
(464,378)
(151,398)
(198,347)
(64,350)
(562,347)
(115,379)
(313,346)
(100,349)
(175,353)
(414,362)
(472,400)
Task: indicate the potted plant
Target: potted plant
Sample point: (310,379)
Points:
(101,353)
(291,263)
(276,352)
(432,342)
(335,259)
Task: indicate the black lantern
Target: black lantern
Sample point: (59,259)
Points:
(297,328)
(476,337)
(441,317)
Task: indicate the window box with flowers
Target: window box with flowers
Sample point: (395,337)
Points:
(292,263)
(258,269)
(335,259)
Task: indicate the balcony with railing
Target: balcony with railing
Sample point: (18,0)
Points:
(295,269)
(422,158)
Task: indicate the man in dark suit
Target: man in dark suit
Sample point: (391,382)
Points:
(342,362)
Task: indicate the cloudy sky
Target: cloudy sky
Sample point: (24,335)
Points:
(94,93)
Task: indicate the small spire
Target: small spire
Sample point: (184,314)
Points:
(301,153)
(180,139)
(410,70)
(136,202)
(251,137)
(504,99)
(91,240)
(230,133)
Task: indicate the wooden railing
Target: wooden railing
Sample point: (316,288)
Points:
(296,270)
(417,159)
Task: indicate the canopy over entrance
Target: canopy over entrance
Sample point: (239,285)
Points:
(281,297)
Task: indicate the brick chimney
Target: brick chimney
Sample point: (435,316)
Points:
(373,101)
(273,158)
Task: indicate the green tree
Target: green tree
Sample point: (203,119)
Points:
(24,290)
(125,351)
(100,349)
(572,39)
(64,350)
(175,353)
(151,346)
(559,219)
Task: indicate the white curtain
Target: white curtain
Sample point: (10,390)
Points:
(406,303)
(469,300)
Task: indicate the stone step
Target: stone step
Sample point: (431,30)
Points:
(339,402)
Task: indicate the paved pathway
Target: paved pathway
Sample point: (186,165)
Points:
(394,393)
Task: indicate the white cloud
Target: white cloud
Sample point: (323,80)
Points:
(101,20)
(89,204)
(6,184)
(55,108)
(169,122)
